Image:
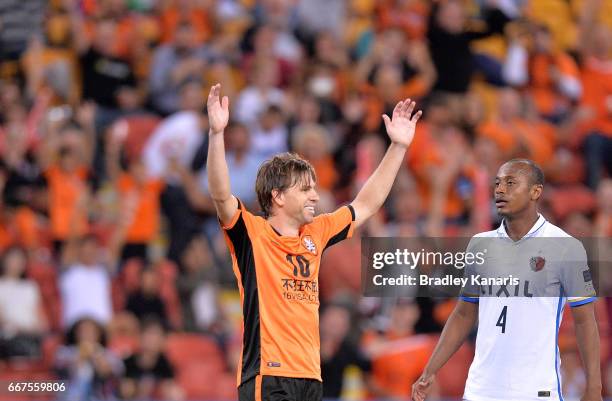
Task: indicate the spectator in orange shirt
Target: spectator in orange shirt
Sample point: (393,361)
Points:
(24,191)
(595,113)
(515,134)
(18,227)
(137,31)
(186,10)
(550,76)
(398,355)
(66,181)
(393,69)
(409,16)
(142,192)
(439,159)
(312,142)
(50,60)
(64,157)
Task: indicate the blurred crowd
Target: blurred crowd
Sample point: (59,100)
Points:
(114,275)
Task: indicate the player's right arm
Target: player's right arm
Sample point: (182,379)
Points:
(216,166)
(456,330)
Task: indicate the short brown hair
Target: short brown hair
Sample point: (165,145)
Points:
(281,172)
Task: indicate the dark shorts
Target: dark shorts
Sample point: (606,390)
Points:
(277,388)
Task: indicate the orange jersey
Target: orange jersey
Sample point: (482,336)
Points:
(146,220)
(64,192)
(278,281)
(399,362)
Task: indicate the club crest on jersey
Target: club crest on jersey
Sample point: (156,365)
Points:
(537,263)
(309,244)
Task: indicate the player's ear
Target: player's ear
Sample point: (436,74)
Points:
(278,197)
(536,191)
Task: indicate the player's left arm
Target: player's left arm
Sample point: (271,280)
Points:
(579,287)
(400,129)
(587,337)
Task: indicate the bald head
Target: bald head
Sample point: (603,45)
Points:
(528,167)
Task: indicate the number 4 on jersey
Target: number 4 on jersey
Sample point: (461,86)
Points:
(501,321)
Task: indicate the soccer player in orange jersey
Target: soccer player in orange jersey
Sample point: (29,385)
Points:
(276,257)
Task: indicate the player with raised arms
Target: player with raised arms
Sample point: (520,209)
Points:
(276,257)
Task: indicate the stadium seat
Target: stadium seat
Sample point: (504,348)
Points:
(195,356)
(566,200)
(190,378)
(130,275)
(123,345)
(168,272)
(140,128)
(226,387)
(570,171)
(187,348)
(118,295)
(46,278)
(49,348)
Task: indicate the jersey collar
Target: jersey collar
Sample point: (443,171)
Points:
(501,231)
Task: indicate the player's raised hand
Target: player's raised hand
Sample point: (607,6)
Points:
(400,127)
(218,110)
(421,387)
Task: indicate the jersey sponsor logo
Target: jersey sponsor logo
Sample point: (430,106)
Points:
(507,290)
(309,244)
(543,393)
(300,288)
(274,364)
(537,263)
(305,291)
